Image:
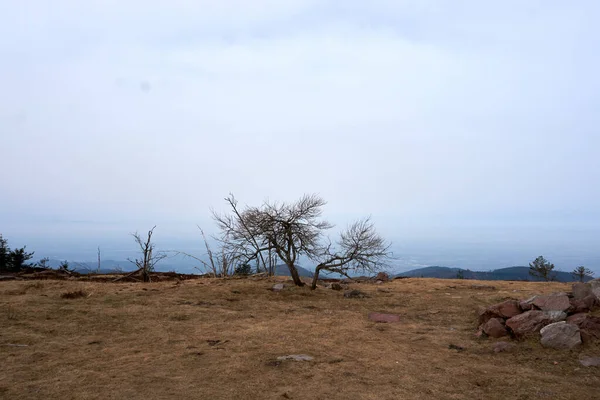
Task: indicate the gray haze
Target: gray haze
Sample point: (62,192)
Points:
(467,129)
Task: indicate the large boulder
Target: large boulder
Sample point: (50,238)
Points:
(582,305)
(552,302)
(495,328)
(560,335)
(532,321)
(506,309)
(595,287)
(589,326)
(581,290)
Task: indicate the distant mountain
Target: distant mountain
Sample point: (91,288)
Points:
(503,274)
(283,270)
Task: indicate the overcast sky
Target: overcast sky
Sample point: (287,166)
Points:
(442,119)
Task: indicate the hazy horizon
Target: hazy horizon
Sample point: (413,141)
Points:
(467,130)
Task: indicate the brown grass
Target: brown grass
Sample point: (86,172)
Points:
(216,339)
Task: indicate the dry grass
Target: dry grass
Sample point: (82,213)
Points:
(215,339)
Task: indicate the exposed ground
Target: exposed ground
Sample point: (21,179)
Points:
(219,339)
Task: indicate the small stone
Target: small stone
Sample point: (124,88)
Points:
(295,357)
(590,361)
(278,287)
(503,347)
(383,277)
(336,286)
(384,318)
(560,335)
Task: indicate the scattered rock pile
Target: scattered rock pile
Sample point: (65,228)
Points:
(561,320)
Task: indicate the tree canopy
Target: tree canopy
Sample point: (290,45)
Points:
(294,230)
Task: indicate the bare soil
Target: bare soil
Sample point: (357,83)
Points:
(220,339)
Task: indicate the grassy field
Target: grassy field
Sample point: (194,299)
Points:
(220,339)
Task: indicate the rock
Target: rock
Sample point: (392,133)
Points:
(589,326)
(336,286)
(581,290)
(552,302)
(583,305)
(595,287)
(560,335)
(384,318)
(295,357)
(382,276)
(495,328)
(379,282)
(532,321)
(503,347)
(576,319)
(354,294)
(506,309)
(278,287)
(527,305)
(590,361)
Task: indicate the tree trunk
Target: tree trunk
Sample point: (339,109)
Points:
(313,286)
(145,275)
(295,276)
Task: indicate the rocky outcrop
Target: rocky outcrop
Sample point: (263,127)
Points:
(561,320)
(532,321)
(560,335)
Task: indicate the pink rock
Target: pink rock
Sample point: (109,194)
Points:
(495,328)
(552,302)
(384,318)
(582,305)
(506,309)
(532,321)
(589,326)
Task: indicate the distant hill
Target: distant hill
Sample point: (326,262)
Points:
(283,270)
(503,274)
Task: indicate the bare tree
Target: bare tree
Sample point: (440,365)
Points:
(149,256)
(240,238)
(220,265)
(295,230)
(359,248)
